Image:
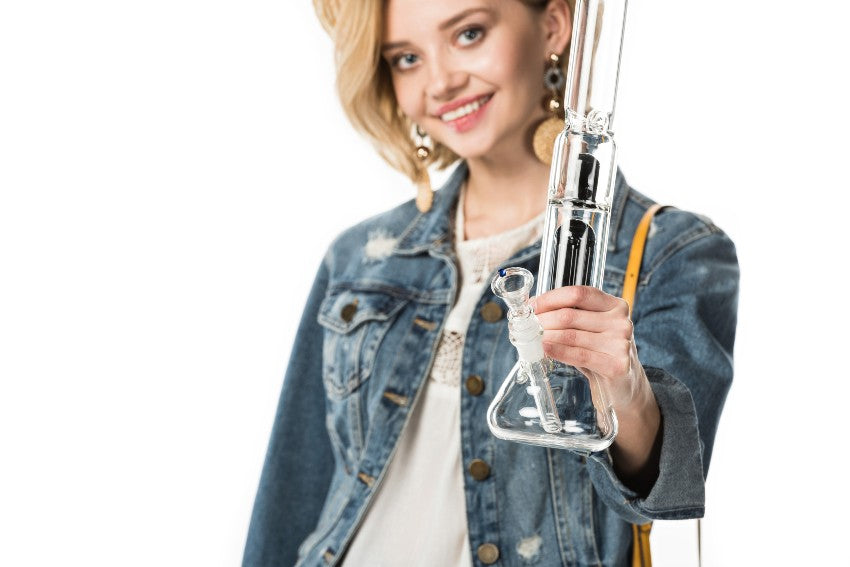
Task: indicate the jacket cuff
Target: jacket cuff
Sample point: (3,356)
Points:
(679,491)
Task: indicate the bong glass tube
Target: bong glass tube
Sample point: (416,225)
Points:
(543,401)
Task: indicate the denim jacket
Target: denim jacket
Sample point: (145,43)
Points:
(364,349)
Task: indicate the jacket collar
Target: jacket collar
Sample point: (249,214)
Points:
(432,229)
(621,195)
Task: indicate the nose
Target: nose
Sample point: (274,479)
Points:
(445,78)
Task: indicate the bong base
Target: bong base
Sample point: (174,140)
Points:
(514,414)
(580,441)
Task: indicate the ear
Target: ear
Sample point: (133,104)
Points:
(558,25)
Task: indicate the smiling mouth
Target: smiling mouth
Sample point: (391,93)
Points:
(466,109)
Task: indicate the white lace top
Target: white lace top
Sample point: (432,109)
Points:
(418,516)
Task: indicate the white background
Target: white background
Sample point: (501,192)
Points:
(172,171)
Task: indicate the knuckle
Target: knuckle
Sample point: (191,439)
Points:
(567,317)
(618,329)
(572,294)
(583,292)
(569,336)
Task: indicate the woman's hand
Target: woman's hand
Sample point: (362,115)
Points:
(591,330)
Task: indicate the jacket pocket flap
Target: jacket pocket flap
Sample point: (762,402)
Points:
(345,310)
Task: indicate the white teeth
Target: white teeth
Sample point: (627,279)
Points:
(464,110)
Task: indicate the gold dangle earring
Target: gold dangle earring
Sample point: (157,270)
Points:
(548,130)
(424,193)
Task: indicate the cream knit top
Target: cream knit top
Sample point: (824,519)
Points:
(418,516)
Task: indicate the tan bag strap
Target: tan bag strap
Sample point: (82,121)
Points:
(641,555)
(636,255)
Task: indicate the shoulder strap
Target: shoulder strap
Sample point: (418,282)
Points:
(636,255)
(641,556)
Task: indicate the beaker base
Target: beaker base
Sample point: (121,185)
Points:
(579,441)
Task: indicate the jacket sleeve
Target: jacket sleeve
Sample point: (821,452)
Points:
(299,462)
(685,317)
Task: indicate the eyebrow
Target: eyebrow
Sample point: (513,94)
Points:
(447,24)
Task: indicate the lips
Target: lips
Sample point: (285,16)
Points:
(463,114)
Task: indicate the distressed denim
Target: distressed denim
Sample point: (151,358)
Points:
(363,351)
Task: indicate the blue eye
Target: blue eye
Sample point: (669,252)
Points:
(404,61)
(470,35)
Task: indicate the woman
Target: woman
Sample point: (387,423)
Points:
(380,453)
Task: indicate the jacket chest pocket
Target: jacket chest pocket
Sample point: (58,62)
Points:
(355,324)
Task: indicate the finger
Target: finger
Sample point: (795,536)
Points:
(570,318)
(603,364)
(614,346)
(578,296)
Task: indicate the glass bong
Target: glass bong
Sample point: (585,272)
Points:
(543,401)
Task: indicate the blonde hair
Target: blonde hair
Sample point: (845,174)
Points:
(364,83)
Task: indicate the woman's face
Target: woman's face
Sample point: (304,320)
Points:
(470,72)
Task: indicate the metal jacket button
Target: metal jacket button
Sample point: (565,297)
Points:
(488,553)
(348,311)
(474,384)
(491,312)
(479,469)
